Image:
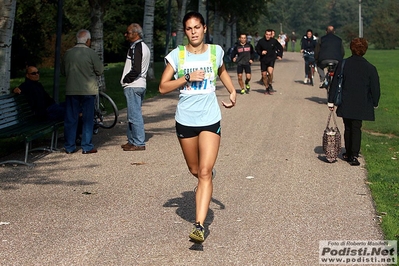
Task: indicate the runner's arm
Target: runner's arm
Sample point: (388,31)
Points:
(226,80)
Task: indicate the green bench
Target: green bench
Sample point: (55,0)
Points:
(18,121)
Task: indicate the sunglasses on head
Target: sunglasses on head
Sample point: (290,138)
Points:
(34,73)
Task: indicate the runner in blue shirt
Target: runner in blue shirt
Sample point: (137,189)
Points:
(195,67)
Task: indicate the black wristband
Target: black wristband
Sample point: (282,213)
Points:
(187,77)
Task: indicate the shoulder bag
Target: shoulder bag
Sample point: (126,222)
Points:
(338,94)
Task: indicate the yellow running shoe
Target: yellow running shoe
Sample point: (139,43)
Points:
(243,91)
(198,233)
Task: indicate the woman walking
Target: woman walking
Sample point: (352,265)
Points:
(194,68)
(360,95)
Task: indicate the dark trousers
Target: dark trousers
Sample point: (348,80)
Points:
(352,136)
(76,104)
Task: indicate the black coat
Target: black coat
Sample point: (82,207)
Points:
(360,89)
(273,48)
(39,100)
(329,47)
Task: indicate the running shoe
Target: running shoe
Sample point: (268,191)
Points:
(247,87)
(305,81)
(243,91)
(268,92)
(198,233)
(271,88)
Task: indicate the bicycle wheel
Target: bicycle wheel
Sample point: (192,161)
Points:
(311,74)
(329,85)
(107,113)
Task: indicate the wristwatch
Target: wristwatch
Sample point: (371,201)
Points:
(187,77)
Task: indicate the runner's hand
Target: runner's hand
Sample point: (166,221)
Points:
(232,101)
(198,75)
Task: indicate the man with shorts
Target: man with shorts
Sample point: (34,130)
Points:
(269,49)
(243,54)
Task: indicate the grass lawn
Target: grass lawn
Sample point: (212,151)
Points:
(380,144)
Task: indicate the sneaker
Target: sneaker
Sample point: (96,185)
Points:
(267,92)
(271,88)
(306,80)
(321,85)
(243,91)
(198,233)
(213,173)
(247,87)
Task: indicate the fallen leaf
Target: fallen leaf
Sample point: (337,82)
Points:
(138,163)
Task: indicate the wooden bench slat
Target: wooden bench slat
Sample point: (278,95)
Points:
(18,120)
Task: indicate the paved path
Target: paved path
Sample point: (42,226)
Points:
(136,208)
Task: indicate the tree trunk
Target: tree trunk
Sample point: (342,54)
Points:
(97,10)
(181,11)
(148,30)
(218,28)
(228,36)
(202,8)
(7,16)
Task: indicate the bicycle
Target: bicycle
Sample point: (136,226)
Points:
(331,65)
(309,57)
(105,112)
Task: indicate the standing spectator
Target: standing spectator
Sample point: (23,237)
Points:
(329,49)
(360,95)
(243,55)
(308,44)
(249,38)
(269,50)
(293,41)
(256,40)
(282,37)
(195,67)
(287,41)
(134,83)
(81,66)
(44,107)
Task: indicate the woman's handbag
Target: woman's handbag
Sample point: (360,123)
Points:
(338,95)
(331,140)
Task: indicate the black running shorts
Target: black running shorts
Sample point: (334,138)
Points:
(241,68)
(190,132)
(265,65)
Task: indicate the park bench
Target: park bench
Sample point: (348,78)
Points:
(17,120)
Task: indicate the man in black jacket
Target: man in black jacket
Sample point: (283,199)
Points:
(329,48)
(269,50)
(243,55)
(44,107)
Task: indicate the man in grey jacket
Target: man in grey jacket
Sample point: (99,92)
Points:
(81,66)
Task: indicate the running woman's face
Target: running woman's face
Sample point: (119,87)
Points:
(195,31)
